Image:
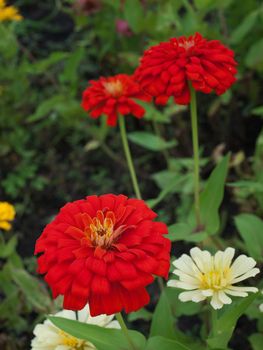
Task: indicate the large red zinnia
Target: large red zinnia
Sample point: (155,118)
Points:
(103,250)
(114,96)
(166,68)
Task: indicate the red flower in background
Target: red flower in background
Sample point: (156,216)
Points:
(114,96)
(103,250)
(165,69)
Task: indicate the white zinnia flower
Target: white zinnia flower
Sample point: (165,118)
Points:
(49,337)
(204,275)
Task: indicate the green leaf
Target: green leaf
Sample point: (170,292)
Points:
(150,141)
(256,341)
(178,232)
(46,107)
(258,111)
(42,66)
(162,321)
(244,27)
(226,324)
(254,57)
(133,13)
(6,249)
(102,338)
(184,232)
(141,314)
(250,228)
(212,196)
(161,343)
(31,288)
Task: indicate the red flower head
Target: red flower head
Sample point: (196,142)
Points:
(103,250)
(113,96)
(166,68)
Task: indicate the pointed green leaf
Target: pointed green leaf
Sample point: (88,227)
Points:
(212,196)
(102,338)
(31,288)
(161,343)
(226,324)
(150,141)
(250,228)
(162,321)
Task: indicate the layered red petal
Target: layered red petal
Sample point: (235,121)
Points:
(114,96)
(166,69)
(109,278)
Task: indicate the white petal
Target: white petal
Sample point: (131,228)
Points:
(186,278)
(244,289)
(224,298)
(251,273)
(202,259)
(182,285)
(194,296)
(172,283)
(215,302)
(185,264)
(71,315)
(84,314)
(235,293)
(261,307)
(228,256)
(207,292)
(241,265)
(114,324)
(218,260)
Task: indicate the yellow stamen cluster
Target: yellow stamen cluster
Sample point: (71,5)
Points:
(101,230)
(71,341)
(114,88)
(215,279)
(8,13)
(7,214)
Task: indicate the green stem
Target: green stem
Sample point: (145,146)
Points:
(193,111)
(125,329)
(129,157)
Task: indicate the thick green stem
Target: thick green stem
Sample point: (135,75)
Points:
(193,111)
(125,329)
(129,157)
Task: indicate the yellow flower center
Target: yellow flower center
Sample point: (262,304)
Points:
(7,214)
(114,88)
(71,341)
(101,229)
(215,279)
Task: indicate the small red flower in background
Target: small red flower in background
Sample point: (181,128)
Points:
(165,69)
(103,250)
(114,96)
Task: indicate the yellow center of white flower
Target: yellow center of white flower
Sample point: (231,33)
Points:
(114,88)
(215,279)
(71,341)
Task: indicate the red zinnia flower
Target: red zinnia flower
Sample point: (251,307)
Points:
(166,68)
(103,250)
(112,96)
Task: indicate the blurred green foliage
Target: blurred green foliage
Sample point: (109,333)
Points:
(51,152)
